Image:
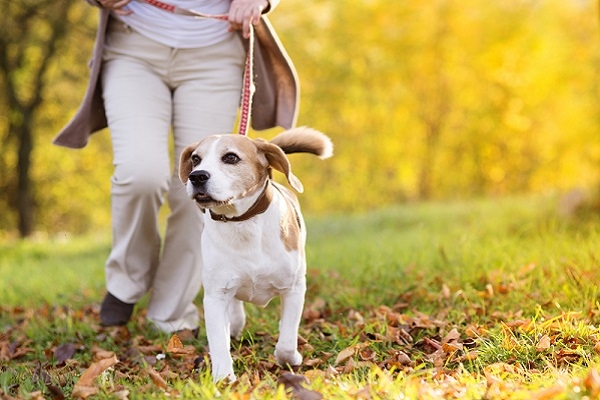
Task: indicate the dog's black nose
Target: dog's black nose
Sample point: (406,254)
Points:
(199,178)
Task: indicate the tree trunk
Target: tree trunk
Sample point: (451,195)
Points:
(24,195)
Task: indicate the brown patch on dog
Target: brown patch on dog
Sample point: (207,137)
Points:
(185,162)
(278,160)
(290,227)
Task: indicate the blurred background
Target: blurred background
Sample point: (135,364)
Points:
(438,100)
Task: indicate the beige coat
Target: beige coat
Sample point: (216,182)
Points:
(275,101)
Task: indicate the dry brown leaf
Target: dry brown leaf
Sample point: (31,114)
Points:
(470,356)
(174,343)
(313,362)
(64,352)
(315,310)
(185,350)
(451,347)
(83,392)
(349,366)
(84,387)
(345,354)
(296,384)
(55,392)
(403,358)
(150,349)
(451,336)
(94,370)
(157,379)
(100,354)
(543,344)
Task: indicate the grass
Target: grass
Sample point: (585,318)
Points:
(479,299)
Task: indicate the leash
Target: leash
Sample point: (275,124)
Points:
(247,83)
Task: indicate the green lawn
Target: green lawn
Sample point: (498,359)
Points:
(477,299)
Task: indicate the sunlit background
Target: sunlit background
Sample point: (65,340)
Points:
(434,100)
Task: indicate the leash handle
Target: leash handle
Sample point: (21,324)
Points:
(247,82)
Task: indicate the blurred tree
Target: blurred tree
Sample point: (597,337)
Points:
(443,100)
(30,32)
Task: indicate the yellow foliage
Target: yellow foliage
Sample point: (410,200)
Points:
(452,98)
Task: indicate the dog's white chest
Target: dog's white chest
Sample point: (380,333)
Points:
(246,262)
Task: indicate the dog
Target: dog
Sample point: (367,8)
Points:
(253,237)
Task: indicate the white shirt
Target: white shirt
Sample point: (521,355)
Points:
(179,31)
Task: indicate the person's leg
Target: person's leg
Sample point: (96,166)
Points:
(138,109)
(205,101)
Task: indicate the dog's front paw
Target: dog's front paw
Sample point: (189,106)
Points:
(226,378)
(223,373)
(288,357)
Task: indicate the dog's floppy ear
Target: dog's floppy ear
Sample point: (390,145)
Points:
(185,162)
(278,160)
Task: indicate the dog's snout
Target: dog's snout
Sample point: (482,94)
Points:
(199,177)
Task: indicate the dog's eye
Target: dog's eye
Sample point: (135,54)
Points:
(230,158)
(196,159)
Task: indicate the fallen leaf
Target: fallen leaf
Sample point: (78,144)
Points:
(100,353)
(84,386)
(451,336)
(83,392)
(470,356)
(150,349)
(349,366)
(345,354)
(315,310)
(157,379)
(295,383)
(543,344)
(451,347)
(64,352)
(313,362)
(55,392)
(174,343)
(185,350)
(403,358)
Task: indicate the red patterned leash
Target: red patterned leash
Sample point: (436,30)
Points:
(248,84)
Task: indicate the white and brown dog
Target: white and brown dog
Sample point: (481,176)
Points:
(253,237)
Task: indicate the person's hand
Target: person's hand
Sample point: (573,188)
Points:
(116,6)
(242,13)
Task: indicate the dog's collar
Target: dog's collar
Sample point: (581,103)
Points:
(260,206)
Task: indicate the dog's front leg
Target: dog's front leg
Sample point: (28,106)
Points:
(217,330)
(286,351)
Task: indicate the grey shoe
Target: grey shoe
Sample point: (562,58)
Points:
(114,312)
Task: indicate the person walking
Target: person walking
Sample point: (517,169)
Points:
(156,74)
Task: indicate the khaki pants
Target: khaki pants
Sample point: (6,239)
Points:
(150,89)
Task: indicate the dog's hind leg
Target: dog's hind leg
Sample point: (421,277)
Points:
(286,351)
(237,317)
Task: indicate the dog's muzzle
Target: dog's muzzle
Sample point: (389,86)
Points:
(199,180)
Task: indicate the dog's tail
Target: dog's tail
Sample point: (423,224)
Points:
(304,140)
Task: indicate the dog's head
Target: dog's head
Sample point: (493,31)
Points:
(223,168)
